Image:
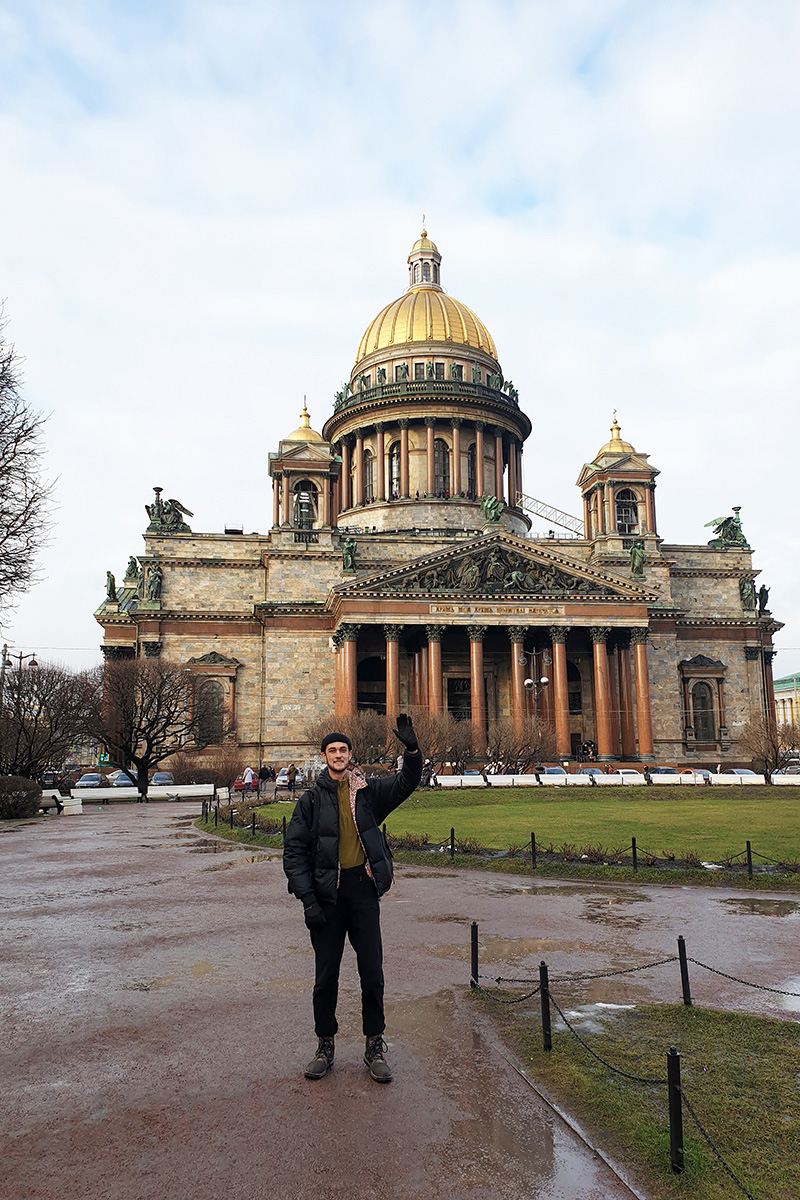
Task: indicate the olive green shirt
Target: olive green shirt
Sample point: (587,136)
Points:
(351,852)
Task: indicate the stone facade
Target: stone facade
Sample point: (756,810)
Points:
(382,581)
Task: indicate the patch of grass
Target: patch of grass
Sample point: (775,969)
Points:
(709,821)
(740,1074)
(244,836)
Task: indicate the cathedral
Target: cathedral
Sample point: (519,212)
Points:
(401,573)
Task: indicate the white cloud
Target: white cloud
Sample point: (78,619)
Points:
(204,205)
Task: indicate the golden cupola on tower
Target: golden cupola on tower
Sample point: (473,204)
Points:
(427,427)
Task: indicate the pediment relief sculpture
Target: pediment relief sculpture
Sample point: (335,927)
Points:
(499,570)
(213,658)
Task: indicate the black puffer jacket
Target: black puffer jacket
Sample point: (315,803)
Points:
(311,852)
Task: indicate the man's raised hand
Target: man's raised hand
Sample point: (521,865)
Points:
(405,732)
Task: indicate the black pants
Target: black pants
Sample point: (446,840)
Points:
(356,915)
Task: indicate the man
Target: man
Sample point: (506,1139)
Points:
(338,864)
(248,775)
(264,776)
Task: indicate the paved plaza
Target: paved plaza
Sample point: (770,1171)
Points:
(156,1009)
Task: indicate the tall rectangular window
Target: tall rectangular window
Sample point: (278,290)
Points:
(419,370)
(439,370)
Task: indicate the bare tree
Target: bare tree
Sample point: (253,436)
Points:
(220,766)
(24,496)
(146,709)
(442,738)
(42,714)
(769,746)
(367,730)
(518,747)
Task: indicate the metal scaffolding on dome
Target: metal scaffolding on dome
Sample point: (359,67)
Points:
(554,515)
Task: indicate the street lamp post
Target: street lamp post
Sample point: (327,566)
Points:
(8,661)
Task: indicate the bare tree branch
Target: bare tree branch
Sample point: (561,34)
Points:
(43,713)
(25,500)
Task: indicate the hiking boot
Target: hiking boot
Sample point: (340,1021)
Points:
(375,1059)
(322,1062)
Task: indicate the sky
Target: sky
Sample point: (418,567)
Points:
(203,205)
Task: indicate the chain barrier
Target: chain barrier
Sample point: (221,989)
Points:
(580,978)
(502,999)
(762,987)
(713,1148)
(594,1054)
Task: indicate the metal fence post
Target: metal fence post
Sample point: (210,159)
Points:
(284,829)
(452,843)
(533,851)
(473,983)
(253,825)
(749,862)
(544,996)
(230,810)
(675,1111)
(633,853)
(687,995)
(216,815)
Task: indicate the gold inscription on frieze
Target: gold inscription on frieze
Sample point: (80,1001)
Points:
(478,610)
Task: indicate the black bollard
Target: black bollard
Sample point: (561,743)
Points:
(473,982)
(633,853)
(544,996)
(684,965)
(230,810)
(284,829)
(452,843)
(253,825)
(216,815)
(749,862)
(533,851)
(675,1111)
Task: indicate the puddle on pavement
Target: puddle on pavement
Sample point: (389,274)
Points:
(614,910)
(791,1003)
(426,874)
(499,949)
(241,862)
(745,906)
(443,918)
(206,847)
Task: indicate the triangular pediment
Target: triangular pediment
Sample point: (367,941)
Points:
(498,565)
(314,452)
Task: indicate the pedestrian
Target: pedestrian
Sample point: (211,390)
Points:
(291,776)
(264,776)
(338,864)
(248,775)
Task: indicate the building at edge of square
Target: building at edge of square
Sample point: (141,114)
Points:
(400,572)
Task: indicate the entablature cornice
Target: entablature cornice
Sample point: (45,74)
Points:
(417,407)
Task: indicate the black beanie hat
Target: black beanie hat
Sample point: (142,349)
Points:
(335,737)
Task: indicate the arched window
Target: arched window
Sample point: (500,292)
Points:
(426,272)
(416,272)
(305,504)
(441,468)
(472,477)
(435,273)
(394,471)
(703,713)
(369,477)
(210,711)
(627,510)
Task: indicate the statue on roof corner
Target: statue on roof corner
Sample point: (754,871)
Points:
(492,508)
(349,547)
(728,533)
(166,516)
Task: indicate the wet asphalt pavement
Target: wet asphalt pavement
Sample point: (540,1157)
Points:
(156,1016)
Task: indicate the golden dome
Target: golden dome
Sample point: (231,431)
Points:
(617,445)
(422,315)
(305,433)
(423,242)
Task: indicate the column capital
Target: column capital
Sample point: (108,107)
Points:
(456,421)
(498,431)
(558,633)
(752,653)
(599,633)
(434,632)
(430,422)
(152,649)
(349,632)
(769,655)
(393,632)
(476,633)
(337,637)
(404,422)
(379,426)
(639,636)
(480,425)
(517,633)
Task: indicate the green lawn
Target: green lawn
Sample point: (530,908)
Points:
(708,821)
(739,1072)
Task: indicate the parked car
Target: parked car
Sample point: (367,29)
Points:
(123,780)
(129,773)
(92,779)
(663,770)
(627,771)
(697,771)
(282,780)
(590,771)
(741,771)
(160,778)
(239,784)
(553,771)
